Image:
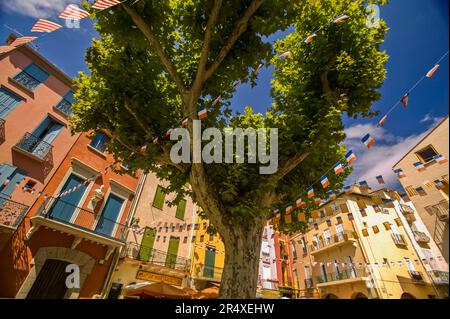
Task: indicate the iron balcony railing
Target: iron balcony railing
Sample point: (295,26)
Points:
(309,284)
(398,239)
(2,129)
(77,217)
(421,237)
(341,275)
(343,236)
(439,277)
(65,107)
(415,275)
(35,146)
(27,80)
(441,210)
(156,257)
(11,212)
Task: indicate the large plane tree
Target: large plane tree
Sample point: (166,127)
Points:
(159,61)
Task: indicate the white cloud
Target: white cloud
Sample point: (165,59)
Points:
(379,159)
(431,118)
(37,8)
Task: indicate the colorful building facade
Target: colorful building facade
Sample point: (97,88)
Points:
(268,270)
(158,246)
(357,247)
(423,168)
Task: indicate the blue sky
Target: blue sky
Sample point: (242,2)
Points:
(417,38)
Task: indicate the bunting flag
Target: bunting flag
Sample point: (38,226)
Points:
(428,183)
(350,216)
(202,113)
(310,193)
(21,41)
(439,184)
(341,18)
(155,140)
(440,159)
(289,209)
(400,173)
(405,197)
(301,217)
(421,191)
(143,148)
(169,131)
(105,4)
(73,12)
(324,181)
(310,38)
(377,208)
(338,168)
(286,54)
(405,100)
(185,121)
(368,140)
(350,157)
(348,190)
(256,71)
(380,179)
(383,119)
(317,201)
(217,100)
(431,72)
(331,195)
(364,185)
(288,218)
(388,202)
(6,48)
(419,166)
(43,25)
(299,202)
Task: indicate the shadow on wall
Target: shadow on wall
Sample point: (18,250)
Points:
(35,169)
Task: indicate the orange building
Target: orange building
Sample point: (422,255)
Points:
(284,262)
(62,246)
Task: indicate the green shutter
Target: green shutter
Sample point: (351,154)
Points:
(210,259)
(172,252)
(159,199)
(145,251)
(181,209)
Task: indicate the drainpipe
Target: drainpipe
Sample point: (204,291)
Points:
(106,286)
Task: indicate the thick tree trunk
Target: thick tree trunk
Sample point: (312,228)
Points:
(242,251)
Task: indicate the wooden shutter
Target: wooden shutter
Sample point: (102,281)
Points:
(159,199)
(145,250)
(181,208)
(361,204)
(344,208)
(329,211)
(172,252)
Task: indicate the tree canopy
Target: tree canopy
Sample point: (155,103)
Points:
(158,61)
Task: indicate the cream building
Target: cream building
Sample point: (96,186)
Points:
(432,205)
(158,247)
(358,247)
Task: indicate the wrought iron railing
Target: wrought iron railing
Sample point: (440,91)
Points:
(398,239)
(65,107)
(407,210)
(415,275)
(74,216)
(341,275)
(336,238)
(441,210)
(421,237)
(156,257)
(2,130)
(35,146)
(27,80)
(439,277)
(11,212)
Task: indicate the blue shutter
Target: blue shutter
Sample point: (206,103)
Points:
(36,72)
(69,97)
(6,171)
(109,216)
(8,101)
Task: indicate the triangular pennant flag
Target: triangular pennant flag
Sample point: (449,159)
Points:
(43,25)
(73,12)
(341,18)
(405,100)
(22,40)
(310,38)
(105,4)
(431,72)
(383,119)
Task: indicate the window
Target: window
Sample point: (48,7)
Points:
(411,191)
(99,141)
(361,204)
(8,101)
(181,208)
(31,77)
(66,103)
(426,154)
(9,177)
(160,197)
(327,236)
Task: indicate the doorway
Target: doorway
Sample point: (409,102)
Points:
(51,281)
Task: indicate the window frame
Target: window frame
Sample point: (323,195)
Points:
(24,71)
(102,151)
(421,158)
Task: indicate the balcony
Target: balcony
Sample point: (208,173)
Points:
(415,276)
(27,81)
(336,240)
(79,222)
(408,212)
(439,277)
(441,210)
(34,147)
(341,277)
(65,107)
(156,257)
(11,212)
(204,272)
(421,237)
(309,284)
(398,239)
(2,130)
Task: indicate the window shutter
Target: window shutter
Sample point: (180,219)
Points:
(181,208)
(361,204)
(344,208)
(158,201)
(411,191)
(36,72)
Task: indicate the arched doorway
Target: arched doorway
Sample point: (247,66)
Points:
(359,295)
(51,281)
(406,295)
(331,296)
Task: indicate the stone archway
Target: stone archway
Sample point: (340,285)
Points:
(83,260)
(406,295)
(359,295)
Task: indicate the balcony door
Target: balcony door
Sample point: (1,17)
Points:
(64,207)
(110,215)
(210,259)
(148,238)
(45,134)
(172,252)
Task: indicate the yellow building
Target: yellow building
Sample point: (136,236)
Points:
(432,205)
(357,247)
(208,256)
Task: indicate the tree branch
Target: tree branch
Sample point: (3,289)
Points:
(239,28)
(163,56)
(288,166)
(212,21)
(136,116)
